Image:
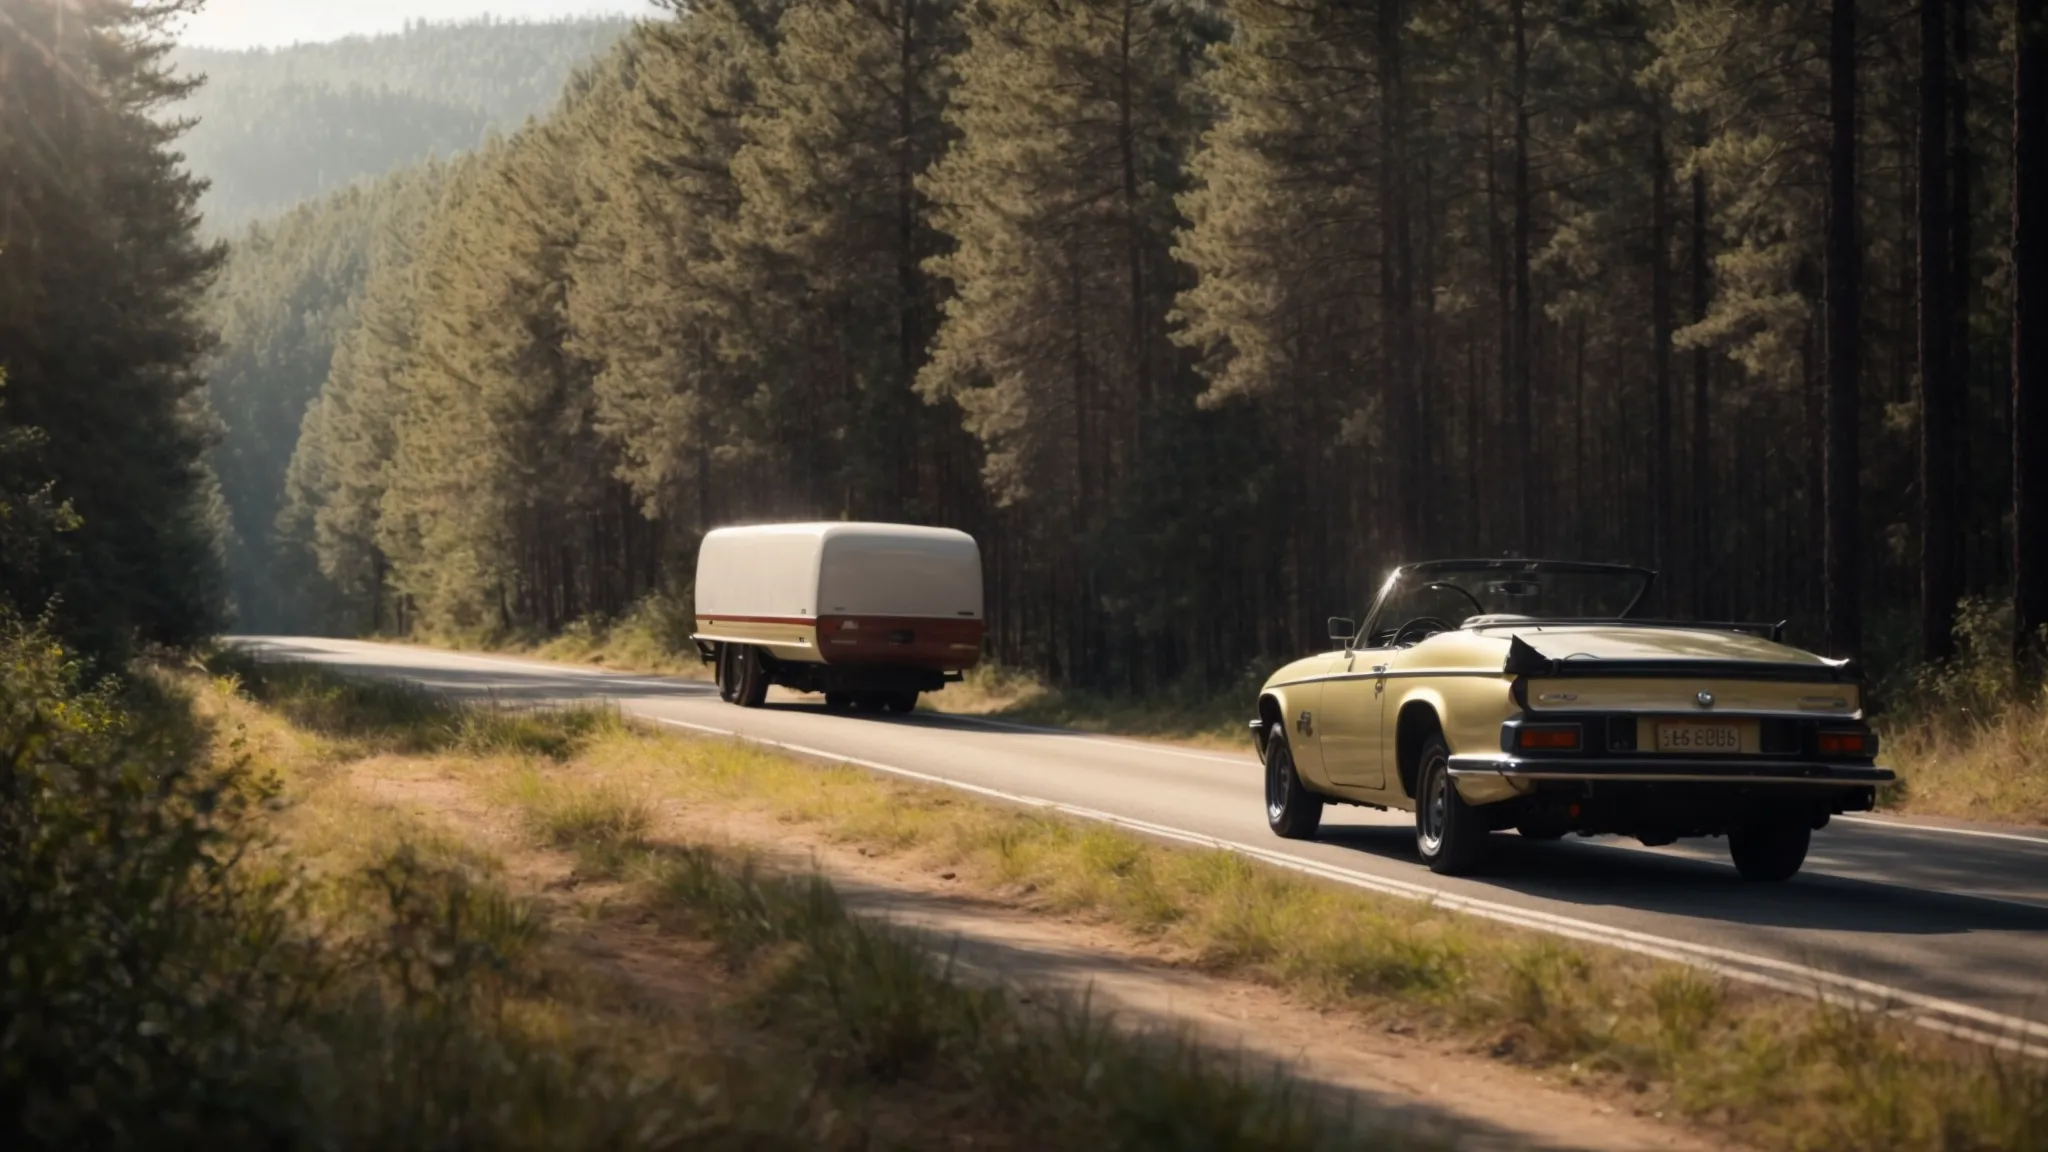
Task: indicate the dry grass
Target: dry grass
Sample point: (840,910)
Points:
(1198,717)
(1969,739)
(828,1032)
(1774,1070)
(1973,766)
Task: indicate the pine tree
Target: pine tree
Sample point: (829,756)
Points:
(2030,328)
(1844,278)
(1060,201)
(831,242)
(340,468)
(1940,551)
(100,295)
(649,303)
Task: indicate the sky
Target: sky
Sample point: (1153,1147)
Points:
(274,23)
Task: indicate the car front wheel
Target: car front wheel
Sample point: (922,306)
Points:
(1450,835)
(1770,852)
(1292,811)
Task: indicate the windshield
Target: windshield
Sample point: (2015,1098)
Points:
(1432,597)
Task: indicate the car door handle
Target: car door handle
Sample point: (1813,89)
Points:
(1379,667)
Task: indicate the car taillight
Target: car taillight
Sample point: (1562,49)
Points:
(1846,744)
(1549,738)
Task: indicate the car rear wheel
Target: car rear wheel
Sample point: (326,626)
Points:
(1450,835)
(838,701)
(899,701)
(1770,852)
(1292,811)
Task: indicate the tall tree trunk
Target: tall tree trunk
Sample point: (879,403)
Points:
(1397,275)
(1432,408)
(1503,466)
(1524,383)
(910,339)
(1661,319)
(2030,328)
(1842,563)
(1962,248)
(1940,541)
(1134,223)
(1702,466)
(1580,513)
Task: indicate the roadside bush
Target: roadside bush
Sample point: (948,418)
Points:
(160,986)
(141,961)
(1969,737)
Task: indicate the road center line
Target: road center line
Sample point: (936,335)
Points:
(1946,1016)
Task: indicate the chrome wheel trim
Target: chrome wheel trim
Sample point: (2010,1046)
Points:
(1279,779)
(1435,807)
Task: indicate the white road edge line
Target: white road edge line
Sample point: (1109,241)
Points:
(1901,826)
(2010,1033)
(1148,746)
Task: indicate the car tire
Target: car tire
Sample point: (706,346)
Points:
(751,687)
(1770,852)
(899,702)
(1292,811)
(1450,835)
(838,701)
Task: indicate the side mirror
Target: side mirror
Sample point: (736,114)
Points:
(1342,630)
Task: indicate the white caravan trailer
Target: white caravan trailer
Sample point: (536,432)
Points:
(868,614)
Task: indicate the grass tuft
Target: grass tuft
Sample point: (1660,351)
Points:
(605,824)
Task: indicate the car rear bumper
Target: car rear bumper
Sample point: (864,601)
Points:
(1671,769)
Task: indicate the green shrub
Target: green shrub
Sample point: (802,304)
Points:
(160,986)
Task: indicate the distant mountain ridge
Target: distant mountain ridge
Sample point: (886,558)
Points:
(278,127)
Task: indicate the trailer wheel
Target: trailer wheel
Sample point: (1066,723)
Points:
(750,688)
(722,672)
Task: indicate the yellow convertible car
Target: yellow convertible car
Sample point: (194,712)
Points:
(1485,695)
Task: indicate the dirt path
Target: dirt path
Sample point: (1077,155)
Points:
(1476,1103)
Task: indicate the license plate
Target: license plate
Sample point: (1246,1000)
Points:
(1699,738)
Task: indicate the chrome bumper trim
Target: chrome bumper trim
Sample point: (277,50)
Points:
(1686,771)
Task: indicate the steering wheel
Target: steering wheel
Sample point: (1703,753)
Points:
(1423,626)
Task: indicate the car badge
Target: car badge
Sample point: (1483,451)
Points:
(1705,699)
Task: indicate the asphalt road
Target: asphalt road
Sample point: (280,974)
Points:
(1948,926)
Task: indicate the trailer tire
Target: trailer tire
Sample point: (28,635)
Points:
(722,672)
(750,689)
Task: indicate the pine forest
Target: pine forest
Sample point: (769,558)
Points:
(1199,316)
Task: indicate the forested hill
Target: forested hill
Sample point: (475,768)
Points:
(1201,316)
(279,126)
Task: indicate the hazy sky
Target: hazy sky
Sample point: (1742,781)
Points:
(269,23)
